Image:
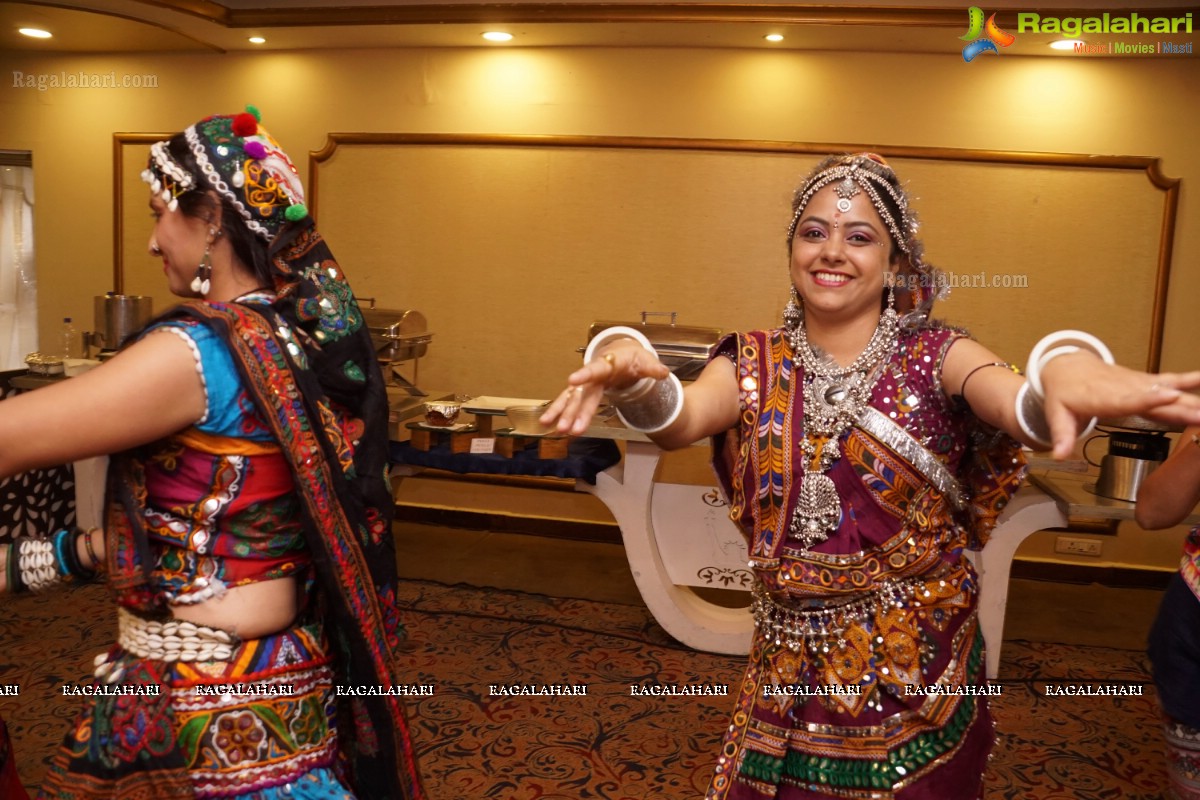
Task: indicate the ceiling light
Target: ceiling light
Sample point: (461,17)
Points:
(257,40)
(774,37)
(1065,44)
(497,36)
(35,33)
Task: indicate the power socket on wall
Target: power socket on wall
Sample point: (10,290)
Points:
(1078,547)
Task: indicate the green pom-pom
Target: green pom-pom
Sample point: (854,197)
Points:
(254,111)
(295,212)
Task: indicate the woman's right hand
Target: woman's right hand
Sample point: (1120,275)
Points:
(617,365)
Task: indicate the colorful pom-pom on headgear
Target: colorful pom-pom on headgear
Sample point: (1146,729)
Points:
(245,124)
(241,161)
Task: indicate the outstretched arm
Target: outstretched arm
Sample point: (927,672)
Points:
(710,403)
(1169,493)
(1078,386)
(145,392)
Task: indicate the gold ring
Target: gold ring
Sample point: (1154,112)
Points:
(611,360)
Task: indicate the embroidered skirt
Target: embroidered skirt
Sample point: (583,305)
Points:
(884,700)
(258,726)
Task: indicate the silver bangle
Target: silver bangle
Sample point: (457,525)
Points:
(1031,416)
(654,408)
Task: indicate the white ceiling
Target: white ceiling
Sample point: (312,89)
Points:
(95,26)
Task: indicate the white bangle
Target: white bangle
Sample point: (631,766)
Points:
(1057,344)
(621,332)
(650,405)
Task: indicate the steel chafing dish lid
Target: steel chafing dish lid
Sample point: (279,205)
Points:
(682,339)
(395,324)
(398,335)
(685,349)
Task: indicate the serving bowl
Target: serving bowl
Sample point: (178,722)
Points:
(442,413)
(524,420)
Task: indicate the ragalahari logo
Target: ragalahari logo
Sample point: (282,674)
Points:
(992,35)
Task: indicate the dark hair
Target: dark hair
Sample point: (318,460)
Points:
(247,246)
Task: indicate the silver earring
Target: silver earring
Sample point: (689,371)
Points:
(793,312)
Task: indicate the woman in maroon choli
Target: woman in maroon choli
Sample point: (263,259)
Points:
(862,449)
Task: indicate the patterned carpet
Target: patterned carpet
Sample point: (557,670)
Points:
(608,744)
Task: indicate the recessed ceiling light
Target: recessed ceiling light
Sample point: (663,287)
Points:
(257,40)
(1066,44)
(35,33)
(498,36)
(774,37)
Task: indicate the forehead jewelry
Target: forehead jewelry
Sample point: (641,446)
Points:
(845,190)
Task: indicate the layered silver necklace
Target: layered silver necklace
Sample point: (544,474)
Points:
(834,397)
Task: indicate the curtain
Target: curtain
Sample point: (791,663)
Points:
(18,278)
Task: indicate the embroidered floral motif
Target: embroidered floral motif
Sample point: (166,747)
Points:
(240,737)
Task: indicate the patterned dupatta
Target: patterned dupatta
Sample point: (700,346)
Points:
(309,365)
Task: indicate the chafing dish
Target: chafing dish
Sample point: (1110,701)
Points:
(684,349)
(399,336)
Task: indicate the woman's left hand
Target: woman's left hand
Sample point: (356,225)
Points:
(1080,386)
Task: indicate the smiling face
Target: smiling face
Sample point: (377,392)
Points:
(181,240)
(840,258)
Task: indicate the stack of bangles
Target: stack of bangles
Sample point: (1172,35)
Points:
(38,563)
(1031,398)
(650,405)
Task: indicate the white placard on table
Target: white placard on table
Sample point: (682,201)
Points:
(483,445)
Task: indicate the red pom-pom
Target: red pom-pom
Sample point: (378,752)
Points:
(245,124)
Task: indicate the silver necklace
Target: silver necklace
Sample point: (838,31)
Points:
(834,397)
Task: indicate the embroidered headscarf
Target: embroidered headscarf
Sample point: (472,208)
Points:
(310,366)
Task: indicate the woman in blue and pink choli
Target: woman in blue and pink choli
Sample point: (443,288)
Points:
(247,535)
(863,448)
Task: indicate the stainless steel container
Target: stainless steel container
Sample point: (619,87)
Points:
(1132,455)
(117,316)
(398,335)
(1120,476)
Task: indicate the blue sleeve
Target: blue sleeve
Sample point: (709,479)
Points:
(228,410)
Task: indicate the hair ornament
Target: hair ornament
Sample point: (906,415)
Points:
(245,124)
(239,160)
(167,179)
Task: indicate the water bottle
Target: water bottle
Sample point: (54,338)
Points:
(70,340)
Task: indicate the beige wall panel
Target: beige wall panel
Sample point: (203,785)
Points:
(512,251)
